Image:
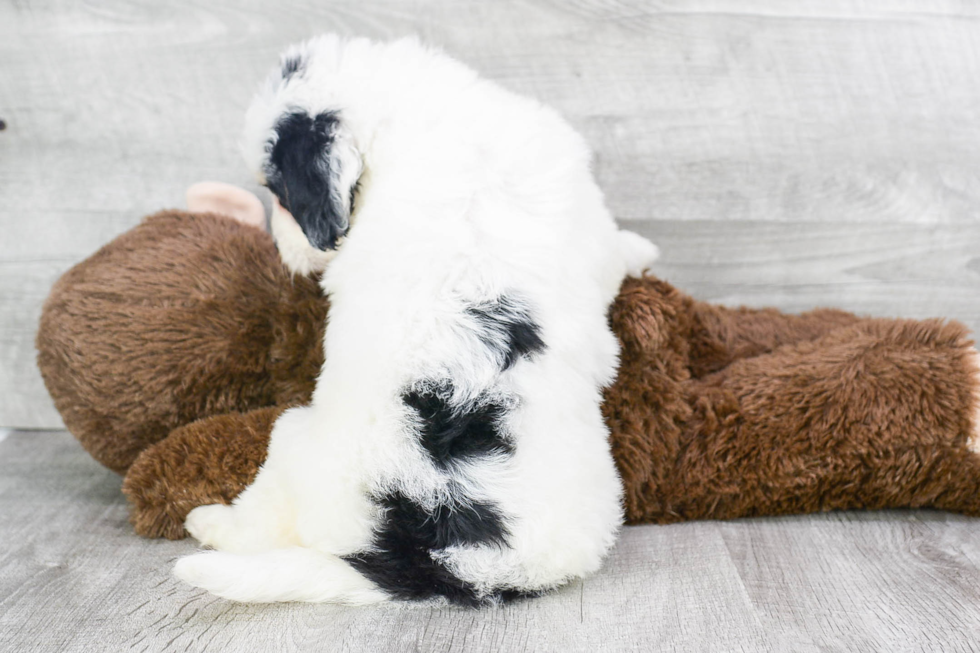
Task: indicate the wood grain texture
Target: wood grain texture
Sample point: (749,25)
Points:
(748,121)
(73,577)
(897,269)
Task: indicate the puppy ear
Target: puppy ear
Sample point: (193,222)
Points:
(313,168)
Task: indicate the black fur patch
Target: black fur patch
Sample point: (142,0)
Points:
(299,175)
(449,432)
(504,320)
(292,65)
(401,562)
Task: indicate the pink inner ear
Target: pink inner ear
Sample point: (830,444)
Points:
(226,199)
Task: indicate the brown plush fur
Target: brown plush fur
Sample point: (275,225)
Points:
(716,413)
(721,413)
(208,461)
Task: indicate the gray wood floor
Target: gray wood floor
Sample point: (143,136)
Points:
(73,577)
(795,154)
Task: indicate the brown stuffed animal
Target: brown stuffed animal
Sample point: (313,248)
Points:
(172,350)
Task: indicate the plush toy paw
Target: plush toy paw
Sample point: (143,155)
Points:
(174,476)
(213,526)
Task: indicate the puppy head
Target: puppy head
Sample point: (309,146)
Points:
(312,167)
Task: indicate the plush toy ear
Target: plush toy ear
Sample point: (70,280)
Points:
(228,200)
(313,168)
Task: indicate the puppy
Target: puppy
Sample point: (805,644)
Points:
(454,449)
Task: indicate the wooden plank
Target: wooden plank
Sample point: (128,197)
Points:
(73,577)
(901,270)
(859,581)
(756,111)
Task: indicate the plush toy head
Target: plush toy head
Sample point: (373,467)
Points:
(183,317)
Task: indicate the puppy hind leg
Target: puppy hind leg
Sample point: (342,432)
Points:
(263,516)
(260,519)
(290,574)
(225,528)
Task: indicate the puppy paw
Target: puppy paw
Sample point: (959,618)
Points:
(638,253)
(212,525)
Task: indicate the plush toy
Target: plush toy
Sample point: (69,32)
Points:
(171,351)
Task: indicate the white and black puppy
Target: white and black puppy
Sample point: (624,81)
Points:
(454,448)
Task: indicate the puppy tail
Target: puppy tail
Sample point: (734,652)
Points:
(292,574)
(637,252)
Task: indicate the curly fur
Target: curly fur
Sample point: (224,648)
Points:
(454,447)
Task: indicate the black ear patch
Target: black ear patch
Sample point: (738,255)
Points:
(300,173)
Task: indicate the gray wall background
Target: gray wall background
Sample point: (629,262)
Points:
(795,154)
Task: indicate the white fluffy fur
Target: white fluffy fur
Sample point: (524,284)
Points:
(468,192)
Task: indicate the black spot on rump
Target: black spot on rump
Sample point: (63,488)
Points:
(508,328)
(401,561)
(448,431)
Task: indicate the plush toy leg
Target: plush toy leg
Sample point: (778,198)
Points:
(720,335)
(667,340)
(875,415)
(209,461)
(721,413)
